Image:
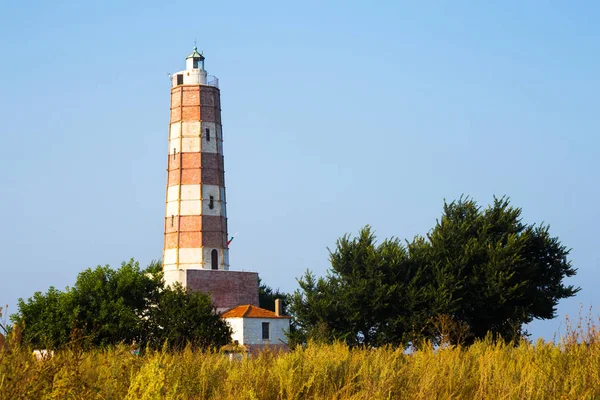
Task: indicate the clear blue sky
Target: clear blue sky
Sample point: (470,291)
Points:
(335,116)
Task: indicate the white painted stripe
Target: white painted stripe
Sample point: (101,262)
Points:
(211,190)
(191,266)
(171,277)
(209,146)
(208,259)
(175,130)
(190,255)
(170,256)
(174,147)
(190,192)
(190,145)
(206,210)
(223,257)
(226,259)
(191,129)
(215,192)
(170,267)
(211,126)
(172,208)
(190,207)
(172,194)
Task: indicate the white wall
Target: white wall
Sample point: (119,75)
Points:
(215,192)
(190,255)
(172,276)
(190,77)
(237,325)
(249,330)
(223,258)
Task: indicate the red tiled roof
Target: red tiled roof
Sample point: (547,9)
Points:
(250,311)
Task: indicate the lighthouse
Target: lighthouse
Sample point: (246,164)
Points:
(196,252)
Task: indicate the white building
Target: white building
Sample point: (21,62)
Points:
(255,327)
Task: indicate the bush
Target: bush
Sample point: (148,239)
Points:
(128,305)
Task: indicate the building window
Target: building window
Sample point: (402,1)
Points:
(214,259)
(265,331)
(207,135)
(174,151)
(180,79)
(196,63)
(211,202)
(172,220)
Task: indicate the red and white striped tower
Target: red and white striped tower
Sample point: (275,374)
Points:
(196,218)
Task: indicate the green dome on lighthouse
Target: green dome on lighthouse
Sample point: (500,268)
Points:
(195,54)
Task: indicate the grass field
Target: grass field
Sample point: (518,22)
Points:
(568,369)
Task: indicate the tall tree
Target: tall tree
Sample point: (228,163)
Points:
(267,295)
(503,273)
(484,269)
(372,295)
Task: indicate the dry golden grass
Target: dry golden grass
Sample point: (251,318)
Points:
(569,369)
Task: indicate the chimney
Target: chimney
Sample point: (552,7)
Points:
(278,307)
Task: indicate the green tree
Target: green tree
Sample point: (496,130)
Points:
(47,318)
(483,270)
(129,305)
(268,295)
(318,312)
(503,273)
(372,295)
(182,317)
(111,306)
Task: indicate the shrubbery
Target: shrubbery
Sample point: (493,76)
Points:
(484,370)
(128,305)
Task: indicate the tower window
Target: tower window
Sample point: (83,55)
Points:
(195,63)
(265,331)
(172,220)
(211,202)
(207,135)
(180,79)
(214,259)
(174,152)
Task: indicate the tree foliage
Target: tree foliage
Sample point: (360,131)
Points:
(267,295)
(129,305)
(484,270)
(182,317)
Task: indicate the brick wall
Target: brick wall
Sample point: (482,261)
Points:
(227,288)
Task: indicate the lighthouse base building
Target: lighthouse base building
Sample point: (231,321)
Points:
(228,289)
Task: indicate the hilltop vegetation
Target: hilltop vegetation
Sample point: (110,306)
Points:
(484,370)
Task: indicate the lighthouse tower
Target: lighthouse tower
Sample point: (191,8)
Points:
(196,217)
(196,251)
